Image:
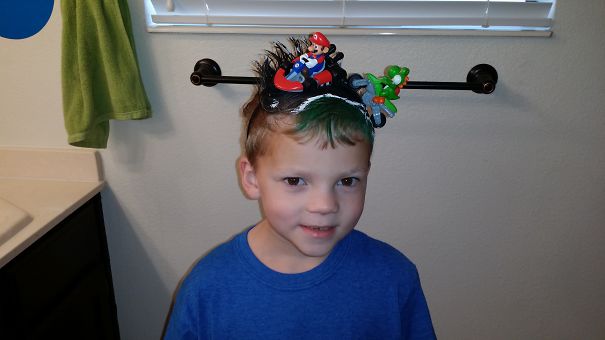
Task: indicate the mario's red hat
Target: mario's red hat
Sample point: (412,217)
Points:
(319,39)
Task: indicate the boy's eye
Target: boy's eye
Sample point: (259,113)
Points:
(348,181)
(294,181)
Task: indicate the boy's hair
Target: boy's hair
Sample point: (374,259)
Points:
(332,114)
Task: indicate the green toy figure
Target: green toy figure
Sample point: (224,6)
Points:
(380,91)
(387,88)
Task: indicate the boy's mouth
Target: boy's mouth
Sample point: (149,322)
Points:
(319,231)
(317,228)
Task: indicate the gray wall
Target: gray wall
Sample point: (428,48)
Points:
(499,200)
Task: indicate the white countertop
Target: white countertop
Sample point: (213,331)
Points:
(46,184)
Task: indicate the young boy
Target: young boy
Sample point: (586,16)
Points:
(303,272)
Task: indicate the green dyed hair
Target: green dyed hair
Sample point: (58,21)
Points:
(330,121)
(333,121)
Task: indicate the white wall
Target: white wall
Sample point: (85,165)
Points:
(500,199)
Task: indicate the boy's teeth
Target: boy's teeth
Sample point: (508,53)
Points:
(320,228)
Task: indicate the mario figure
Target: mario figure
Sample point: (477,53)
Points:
(313,61)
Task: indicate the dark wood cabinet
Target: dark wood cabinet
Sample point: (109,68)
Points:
(61,286)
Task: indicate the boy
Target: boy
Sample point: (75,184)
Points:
(303,272)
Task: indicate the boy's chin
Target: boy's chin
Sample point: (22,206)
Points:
(317,244)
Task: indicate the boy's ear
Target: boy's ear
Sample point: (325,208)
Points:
(248,179)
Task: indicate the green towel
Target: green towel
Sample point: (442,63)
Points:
(100,74)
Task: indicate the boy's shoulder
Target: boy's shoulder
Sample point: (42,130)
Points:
(380,255)
(375,247)
(216,266)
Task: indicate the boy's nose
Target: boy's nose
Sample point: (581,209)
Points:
(323,202)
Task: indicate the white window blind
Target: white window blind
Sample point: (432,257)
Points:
(504,17)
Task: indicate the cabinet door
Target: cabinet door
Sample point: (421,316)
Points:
(49,269)
(61,285)
(83,314)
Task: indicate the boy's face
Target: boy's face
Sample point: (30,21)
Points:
(311,198)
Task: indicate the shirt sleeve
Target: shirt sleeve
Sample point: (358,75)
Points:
(416,320)
(185,317)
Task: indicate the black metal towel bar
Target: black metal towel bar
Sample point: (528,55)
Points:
(481,78)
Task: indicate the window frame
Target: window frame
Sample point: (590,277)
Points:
(445,17)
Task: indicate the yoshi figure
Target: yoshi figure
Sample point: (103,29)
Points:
(387,88)
(380,91)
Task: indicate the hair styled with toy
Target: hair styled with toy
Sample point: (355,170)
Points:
(332,114)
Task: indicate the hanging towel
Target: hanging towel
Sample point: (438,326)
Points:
(100,74)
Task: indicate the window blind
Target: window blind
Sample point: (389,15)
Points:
(352,15)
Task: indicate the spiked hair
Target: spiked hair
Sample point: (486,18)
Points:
(331,114)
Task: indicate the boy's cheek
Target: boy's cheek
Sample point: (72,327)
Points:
(287,206)
(357,203)
(280,214)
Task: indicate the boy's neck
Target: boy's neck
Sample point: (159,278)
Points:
(276,253)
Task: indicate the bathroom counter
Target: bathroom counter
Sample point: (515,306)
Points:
(46,184)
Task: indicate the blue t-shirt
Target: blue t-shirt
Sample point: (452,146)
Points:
(365,289)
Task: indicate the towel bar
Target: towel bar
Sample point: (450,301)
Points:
(481,78)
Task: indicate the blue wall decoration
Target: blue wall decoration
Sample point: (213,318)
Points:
(20,19)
